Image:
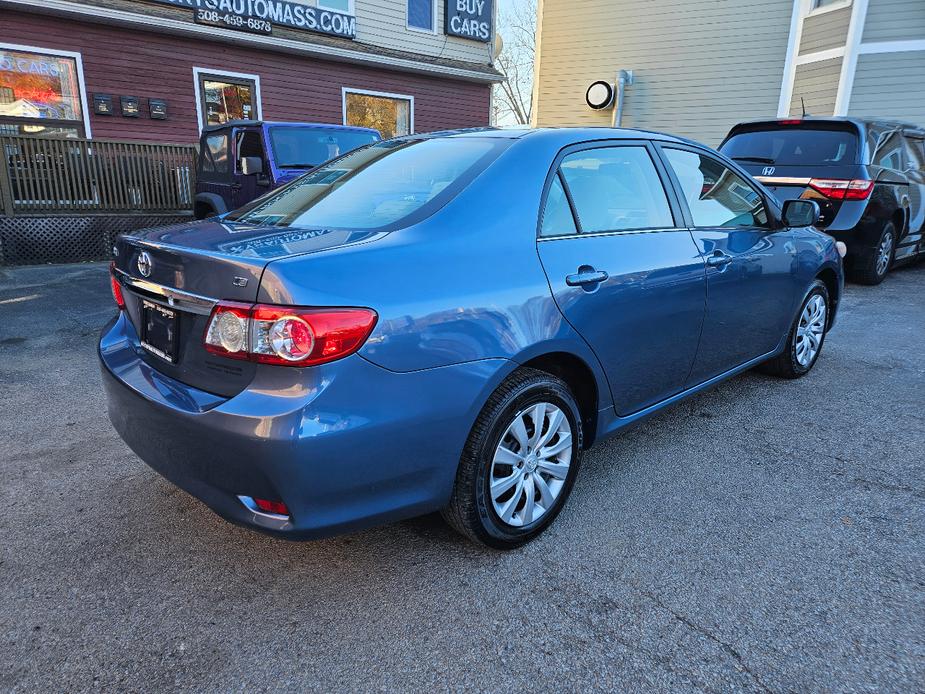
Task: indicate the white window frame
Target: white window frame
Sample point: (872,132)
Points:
(815,9)
(197,71)
(388,95)
(351,7)
(419,29)
(81,83)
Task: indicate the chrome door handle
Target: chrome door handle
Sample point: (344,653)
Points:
(586,276)
(718,259)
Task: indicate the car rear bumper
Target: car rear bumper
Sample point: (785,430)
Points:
(345,445)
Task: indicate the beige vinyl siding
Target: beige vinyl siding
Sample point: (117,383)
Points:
(817,84)
(699,67)
(826,30)
(384,23)
(894,20)
(890,85)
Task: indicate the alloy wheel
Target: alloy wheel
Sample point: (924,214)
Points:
(530,464)
(810,330)
(884,253)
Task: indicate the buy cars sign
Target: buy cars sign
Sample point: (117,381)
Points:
(470,19)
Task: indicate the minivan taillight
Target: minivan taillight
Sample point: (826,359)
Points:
(287,335)
(841,189)
(116,287)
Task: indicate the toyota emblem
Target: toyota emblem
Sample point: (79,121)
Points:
(767,171)
(145,264)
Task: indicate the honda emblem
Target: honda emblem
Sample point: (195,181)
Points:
(767,171)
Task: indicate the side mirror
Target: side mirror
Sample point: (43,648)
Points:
(251,166)
(801,213)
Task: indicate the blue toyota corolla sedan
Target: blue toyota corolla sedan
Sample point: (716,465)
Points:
(446,321)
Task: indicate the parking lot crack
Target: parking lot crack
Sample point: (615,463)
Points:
(728,648)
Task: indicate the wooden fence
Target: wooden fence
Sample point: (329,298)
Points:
(71,176)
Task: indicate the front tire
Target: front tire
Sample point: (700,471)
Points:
(806,336)
(519,463)
(873,269)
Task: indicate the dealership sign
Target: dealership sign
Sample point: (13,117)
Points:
(470,19)
(261,15)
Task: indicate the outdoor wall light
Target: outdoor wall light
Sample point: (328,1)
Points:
(599,95)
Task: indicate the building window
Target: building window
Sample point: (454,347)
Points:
(819,6)
(391,114)
(40,94)
(422,15)
(226,96)
(342,6)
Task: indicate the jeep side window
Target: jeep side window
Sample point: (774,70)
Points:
(249,144)
(215,154)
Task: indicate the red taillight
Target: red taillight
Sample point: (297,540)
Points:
(790,122)
(116,287)
(841,189)
(287,335)
(267,506)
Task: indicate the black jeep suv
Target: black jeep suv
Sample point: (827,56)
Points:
(868,177)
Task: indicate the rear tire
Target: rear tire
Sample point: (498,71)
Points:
(806,336)
(505,447)
(872,270)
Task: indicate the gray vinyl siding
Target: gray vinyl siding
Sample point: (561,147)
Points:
(890,86)
(894,20)
(699,67)
(826,30)
(817,83)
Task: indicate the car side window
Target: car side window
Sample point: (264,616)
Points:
(557,214)
(616,189)
(248,144)
(216,154)
(915,153)
(888,151)
(715,194)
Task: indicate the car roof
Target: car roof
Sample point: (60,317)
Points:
(563,135)
(284,124)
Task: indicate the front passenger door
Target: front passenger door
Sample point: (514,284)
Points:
(623,273)
(751,286)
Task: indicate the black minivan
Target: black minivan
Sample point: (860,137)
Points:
(868,177)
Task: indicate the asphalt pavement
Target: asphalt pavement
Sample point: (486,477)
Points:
(765,536)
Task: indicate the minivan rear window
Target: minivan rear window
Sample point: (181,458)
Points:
(383,186)
(793,145)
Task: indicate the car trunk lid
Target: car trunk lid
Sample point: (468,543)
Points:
(173,276)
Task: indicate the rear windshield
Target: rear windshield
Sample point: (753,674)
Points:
(383,186)
(303,148)
(793,145)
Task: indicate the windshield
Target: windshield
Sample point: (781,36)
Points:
(303,148)
(389,184)
(793,145)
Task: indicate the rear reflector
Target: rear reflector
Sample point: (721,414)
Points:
(275,509)
(267,506)
(287,335)
(841,189)
(116,287)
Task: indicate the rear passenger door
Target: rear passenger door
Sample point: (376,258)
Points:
(215,167)
(626,275)
(751,279)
